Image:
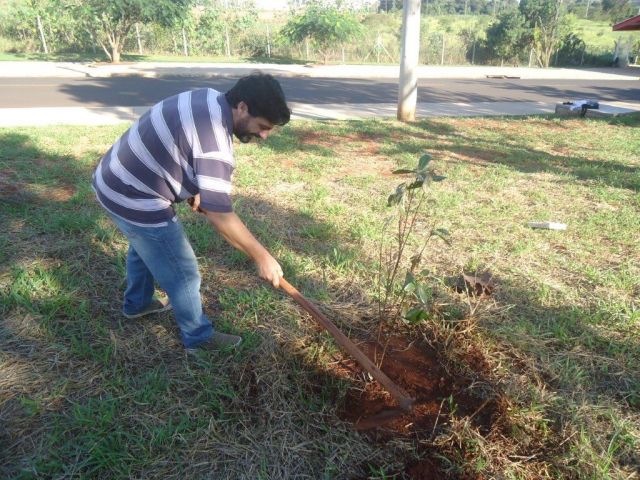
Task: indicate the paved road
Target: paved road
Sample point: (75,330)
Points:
(137,91)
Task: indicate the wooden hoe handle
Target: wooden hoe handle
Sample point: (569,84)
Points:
(402,397)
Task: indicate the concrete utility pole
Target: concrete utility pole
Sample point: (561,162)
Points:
(408,85)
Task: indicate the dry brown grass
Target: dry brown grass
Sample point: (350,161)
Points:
(549,361)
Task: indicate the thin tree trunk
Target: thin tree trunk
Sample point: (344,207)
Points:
(115,53)
(42,39)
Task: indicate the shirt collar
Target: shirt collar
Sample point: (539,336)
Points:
(227,115)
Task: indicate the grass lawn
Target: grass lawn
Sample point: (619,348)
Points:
(539,379)
(598,35)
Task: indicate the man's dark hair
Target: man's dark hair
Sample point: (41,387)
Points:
(263,95)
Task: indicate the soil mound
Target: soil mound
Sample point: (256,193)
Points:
(438,395)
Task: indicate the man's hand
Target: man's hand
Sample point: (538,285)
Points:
(269,269)
(194,202)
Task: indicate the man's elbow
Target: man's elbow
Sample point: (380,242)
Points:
(218,219)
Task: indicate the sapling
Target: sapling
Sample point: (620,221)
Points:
(409,201)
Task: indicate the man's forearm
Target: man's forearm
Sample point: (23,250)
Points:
(237,234)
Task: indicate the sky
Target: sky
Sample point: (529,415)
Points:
(284,4)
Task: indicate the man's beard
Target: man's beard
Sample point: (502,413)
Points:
(242,132)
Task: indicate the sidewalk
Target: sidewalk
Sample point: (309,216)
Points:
(158,69)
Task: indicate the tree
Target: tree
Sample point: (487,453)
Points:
(618,10)
(209,34)
(112,20)
(544,18)
(507,36)
(325,25)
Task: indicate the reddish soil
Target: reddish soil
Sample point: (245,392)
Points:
(357,143)
(8,187)
(417,368)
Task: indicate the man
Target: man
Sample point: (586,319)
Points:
(182,149)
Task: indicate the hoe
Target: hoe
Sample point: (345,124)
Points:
(405,402)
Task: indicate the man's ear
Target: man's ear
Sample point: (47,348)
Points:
(242,107)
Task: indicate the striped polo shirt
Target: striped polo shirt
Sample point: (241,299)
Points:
(182,146)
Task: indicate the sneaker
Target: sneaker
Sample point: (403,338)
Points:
(219,341)
(157,305)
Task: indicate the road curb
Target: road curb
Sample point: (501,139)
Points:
(374,72)
(198,75)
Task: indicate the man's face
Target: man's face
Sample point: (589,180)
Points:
(248,127)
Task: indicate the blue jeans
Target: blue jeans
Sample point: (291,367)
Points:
(165,254)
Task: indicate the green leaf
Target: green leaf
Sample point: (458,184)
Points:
(423,294)
(442,233)
(437,178)
(403,170)
(409,283)
(423,162)
(416,315)
(416,184)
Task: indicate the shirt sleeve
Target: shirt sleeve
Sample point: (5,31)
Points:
(214,182)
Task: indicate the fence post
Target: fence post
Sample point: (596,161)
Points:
(442,57)
(93,42)
(268,42)
(473,54)
(227,42)
(138,37)
(185,48)
(530,57)
(306,46)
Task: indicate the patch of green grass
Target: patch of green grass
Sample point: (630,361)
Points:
(103,397)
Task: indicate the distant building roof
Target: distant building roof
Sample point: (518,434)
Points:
(632,23)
